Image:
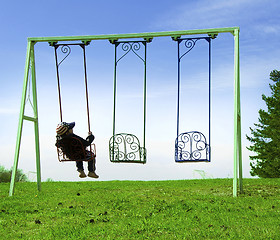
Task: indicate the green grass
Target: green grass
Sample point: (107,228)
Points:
(187,209)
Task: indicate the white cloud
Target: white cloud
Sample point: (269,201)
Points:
(269,28)
(6,111)
(219,13)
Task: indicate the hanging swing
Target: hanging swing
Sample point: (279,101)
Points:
(192,146)
(72,149)
(125,147)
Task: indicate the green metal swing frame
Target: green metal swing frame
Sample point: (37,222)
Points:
(30,68)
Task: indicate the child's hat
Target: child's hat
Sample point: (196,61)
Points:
(63,127)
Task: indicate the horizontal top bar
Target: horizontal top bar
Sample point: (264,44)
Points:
(136,35)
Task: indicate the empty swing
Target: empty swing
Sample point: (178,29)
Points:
(125,147)
(192,146)
(72,149)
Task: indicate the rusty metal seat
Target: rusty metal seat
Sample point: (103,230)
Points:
(72,149)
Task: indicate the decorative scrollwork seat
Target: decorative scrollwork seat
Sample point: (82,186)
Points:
(126,148)
(191,147)
(72,149)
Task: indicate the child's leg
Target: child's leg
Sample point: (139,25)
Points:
(79,165)
(91,165)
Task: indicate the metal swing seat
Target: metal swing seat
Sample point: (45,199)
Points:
(71,148)
(192,146)
(125,147)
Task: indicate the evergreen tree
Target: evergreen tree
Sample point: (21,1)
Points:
(266,134)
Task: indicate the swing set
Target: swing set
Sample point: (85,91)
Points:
(191,146)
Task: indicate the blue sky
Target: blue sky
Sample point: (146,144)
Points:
(259,49)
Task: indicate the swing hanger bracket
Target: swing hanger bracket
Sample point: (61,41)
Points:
(213,35)
(52,44)
(176,37)
(86,42)
(55,43)
(148,39)
(113,41)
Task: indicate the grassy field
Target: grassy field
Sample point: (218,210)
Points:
(187,209)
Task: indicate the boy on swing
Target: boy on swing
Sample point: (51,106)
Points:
(64,133)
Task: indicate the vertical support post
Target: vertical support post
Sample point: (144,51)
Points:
(29,65)
(237,119)
(35,109)
(20,123)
